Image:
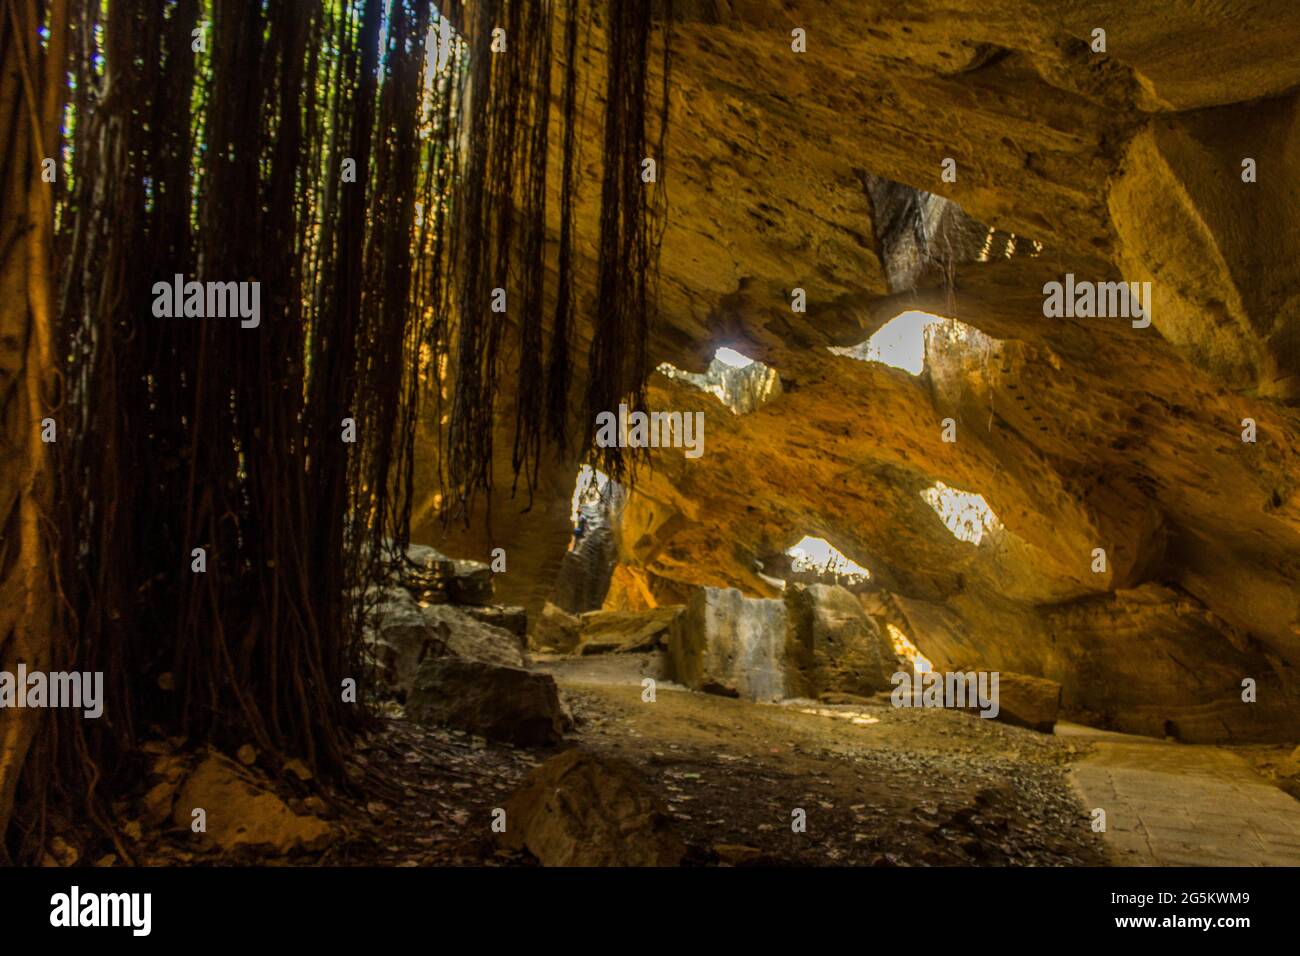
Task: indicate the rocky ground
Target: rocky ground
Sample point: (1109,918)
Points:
(487,753)
(879,786)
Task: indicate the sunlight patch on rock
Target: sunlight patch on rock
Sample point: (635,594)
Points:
(908,651)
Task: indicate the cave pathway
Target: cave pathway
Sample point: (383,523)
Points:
(1173,804)
(879,785)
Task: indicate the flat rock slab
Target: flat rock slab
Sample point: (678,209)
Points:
(625,631)
(1186,805)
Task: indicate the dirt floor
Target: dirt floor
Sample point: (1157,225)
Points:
(878,785)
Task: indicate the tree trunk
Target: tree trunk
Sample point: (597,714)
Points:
(31,88)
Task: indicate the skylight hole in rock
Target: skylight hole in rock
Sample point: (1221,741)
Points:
(899,343)
(965,514)
(733,378)
(732,358)
(908,338)
(819,557)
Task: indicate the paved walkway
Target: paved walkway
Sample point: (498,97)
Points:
(1173,804)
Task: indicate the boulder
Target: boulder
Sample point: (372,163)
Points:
(432,575)
(556,630)
(737,854)
(465,636)
(425,572)
(399,637)
(423,558)
(240,810)
(512,619)
(166,775)
(833,645)
(502,703)
(471,583)
(404,634)
(579,809)
(1027,701)
(628,631)
(725,643)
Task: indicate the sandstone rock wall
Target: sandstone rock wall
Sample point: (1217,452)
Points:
(812,171)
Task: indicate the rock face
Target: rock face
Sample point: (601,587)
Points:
(603,632)
(832,645)
(584,572)
(740,389)
(556,630)
(578,809)
(1288,775)
(1170,668)
(1206,551)
(1123,165)
(726,643)
(241,812)
(1151,660)
(501,703)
